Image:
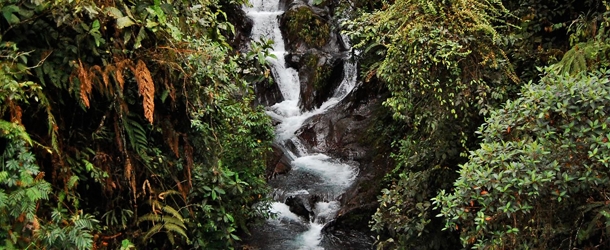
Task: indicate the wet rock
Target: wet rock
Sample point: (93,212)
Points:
(319,74)
(293,60)
(350,230)
(267,94)
(305,28)
(316,50)
(285,3)
(347,131)
(339,131)
(243,27)
(280,168)
(301,206)
(278,162)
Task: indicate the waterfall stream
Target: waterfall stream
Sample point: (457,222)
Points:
(312,175)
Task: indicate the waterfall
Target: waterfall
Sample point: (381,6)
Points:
(316,175)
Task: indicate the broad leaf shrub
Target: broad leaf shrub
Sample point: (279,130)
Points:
(444,66)
(541,175)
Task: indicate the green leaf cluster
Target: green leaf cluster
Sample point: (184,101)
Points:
(450,67)
(542,156)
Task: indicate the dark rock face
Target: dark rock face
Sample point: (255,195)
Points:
(342,127)
(302,205)
(322,74)
(242,24)
(267,94)
(278,163)
(350,230)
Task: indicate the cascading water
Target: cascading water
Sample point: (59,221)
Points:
(312,175)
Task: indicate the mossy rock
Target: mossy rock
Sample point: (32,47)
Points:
(319,76)
(302,25)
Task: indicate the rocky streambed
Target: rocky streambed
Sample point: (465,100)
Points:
(328,161)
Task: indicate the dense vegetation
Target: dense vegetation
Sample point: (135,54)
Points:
(503,108)
(127,124)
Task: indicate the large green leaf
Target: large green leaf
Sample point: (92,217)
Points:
(123,22)
(8,13)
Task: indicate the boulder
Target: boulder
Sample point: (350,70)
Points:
(350,230)
(277,163)
(267,93)
(319,74)
(303,28)
(243,27)
(301,206)
(349,132)
(342,129)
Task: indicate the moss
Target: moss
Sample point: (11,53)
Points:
(319,75)
(304,25)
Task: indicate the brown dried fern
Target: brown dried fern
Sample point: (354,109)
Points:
(106,75)
(146,88)
(15,111)
(118,73)
(85,83)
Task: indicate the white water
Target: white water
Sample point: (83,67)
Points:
(335,176)
(282,212)
(265,15)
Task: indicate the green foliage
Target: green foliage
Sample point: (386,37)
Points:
(132,93)
(22,187)
(405,211)
(62,232)
(587,55)
(226,192)
(545,31)
(320,74)
(444,66)
(543,156)
(435,51)
(164,218)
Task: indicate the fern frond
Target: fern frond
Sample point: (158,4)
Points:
(151,217)
(171,239)
(85,83)
(120,65)
(152,231)
(136,135)
(173,212)
(176,229)
(174,221)
(146,88)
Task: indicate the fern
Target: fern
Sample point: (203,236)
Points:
(137,137)
(74,232)
(173,212)
(576,60)
(169,221)
(179,229)
(150,217)
(152,231)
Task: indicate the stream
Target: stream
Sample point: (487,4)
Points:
(316,180)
